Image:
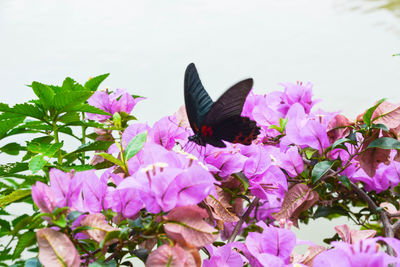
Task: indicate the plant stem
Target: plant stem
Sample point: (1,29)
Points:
(56,139)
(239,224)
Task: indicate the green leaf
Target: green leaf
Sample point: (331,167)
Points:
(68,83)
(73,215)
(94,82)
(380,126)
(70,117)
(46,149)
(37,163)
(33,262)
(77,168)
(135,145)
(242,179)
(320,169)
(25,240)
(21,110)
(329,212)
(61,221)
(6,169)
(88,108)
(4,225)
(310,152)
(345,181)
(385,143)
(109,236)
(111,159)
(340,141)
(44,92)
(14,196)
(11,149)
(7,125)
(92,146)
(20,223)
(65,100)
(368,114)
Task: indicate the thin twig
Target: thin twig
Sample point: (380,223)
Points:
(239,224)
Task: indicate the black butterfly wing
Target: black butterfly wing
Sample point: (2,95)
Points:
(230,103)
(197,101)
(224,117)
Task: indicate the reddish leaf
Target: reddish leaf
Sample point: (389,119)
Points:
(299,198)
(353,236)
(387,114)
(100,225)
(189,227)
(372,157)
(55,249)
(308,257)
(174,256)
(338,127)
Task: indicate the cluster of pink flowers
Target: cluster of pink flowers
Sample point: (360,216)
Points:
(162,178)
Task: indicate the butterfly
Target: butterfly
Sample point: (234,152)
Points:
(213,122)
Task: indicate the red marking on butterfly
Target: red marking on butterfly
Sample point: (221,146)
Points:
(206,130)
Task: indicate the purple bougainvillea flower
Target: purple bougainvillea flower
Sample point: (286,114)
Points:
(167,179)
(305,130)
(272,247)
(386,176)
(67,189)
(363,253)
(298,93)
(94,190)
(166,132)
(224,256)
(126,202)
(271,185)
(227,160)
(119,101)
(43,197)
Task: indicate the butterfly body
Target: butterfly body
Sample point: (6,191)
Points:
(213,122)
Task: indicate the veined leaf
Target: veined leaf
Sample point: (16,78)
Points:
(7,125)
(385,143)
(320,169)
(37,163)
(94,82)
(65,100)
(6,169)
(14,196)
(44,92)
(25,240)
(11,149)
(368,114)
(46,149)
(23,110)
(68,83)
(135,145)
(111,159)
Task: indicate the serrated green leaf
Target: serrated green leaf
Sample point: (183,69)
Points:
(25,240)
(320,169)
(111,159)
(46,149)
(345,181)
(6,169)
(65,100)
(11,149)
(7,125)
(68,83)
(77,168)
(70,117)
(44,92)
(4,225)
(385,143)
(37,163)
(14,196)
(20,110)
(94,82)
(135,145)
(368,114)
